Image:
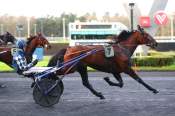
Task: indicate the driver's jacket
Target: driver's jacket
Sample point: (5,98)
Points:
(19,61)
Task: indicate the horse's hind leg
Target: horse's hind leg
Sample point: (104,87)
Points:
(84,75)
(132,73)
(118,77)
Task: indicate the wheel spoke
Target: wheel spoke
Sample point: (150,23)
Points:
(50,98)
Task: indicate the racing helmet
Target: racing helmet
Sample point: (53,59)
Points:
(20,43)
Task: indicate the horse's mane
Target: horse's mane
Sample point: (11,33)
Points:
(124,35)
(30,39)
(33,37)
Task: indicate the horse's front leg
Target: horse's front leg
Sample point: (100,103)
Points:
(83,72)
(132,73)
(118,78)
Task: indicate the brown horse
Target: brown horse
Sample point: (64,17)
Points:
(121,62)
(32,43)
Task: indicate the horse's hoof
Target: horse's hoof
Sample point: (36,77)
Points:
(106,79)
(3,86)
(102,97)
(155,91)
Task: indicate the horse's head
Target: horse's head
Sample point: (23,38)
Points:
(39,40)
(145,38)
(33,42)
(8,37)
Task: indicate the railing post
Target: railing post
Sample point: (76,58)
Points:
(131,14)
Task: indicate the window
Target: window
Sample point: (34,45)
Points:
(96,26)
(89,37)
(77,26)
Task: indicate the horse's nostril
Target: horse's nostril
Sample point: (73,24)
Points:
(49,46)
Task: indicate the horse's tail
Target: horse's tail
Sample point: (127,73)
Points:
(57,57)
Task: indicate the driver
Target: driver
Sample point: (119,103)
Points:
(19,60)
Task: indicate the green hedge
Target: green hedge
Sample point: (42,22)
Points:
(153,60)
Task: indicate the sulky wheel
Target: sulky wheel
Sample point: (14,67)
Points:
(47,92)
(55,77)
(61,85)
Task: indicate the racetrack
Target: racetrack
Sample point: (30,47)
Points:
(131,100)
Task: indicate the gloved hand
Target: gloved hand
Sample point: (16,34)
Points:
(35,62)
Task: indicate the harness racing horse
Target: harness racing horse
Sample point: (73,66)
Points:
(7,37)
(32,43)
(35,41)
(120,63)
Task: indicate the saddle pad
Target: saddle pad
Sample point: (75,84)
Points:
(109,51)
(14,50)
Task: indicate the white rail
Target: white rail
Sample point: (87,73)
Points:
(165,39)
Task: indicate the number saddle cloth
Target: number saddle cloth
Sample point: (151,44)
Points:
(109,51)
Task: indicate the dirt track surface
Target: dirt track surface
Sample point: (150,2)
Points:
(131,100)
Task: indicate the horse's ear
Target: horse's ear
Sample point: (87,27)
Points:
(6,33)
(39,34)
(140,28)
(30,35)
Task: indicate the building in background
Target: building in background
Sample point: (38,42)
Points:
(93,33)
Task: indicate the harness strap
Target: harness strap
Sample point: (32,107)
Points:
(86,50)
(68,63)
(128,53)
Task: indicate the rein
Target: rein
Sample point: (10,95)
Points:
(128,45)
(86,50)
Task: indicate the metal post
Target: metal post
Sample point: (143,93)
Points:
(64,34)
(19,33)
(35,28)
(28,26)
(131,14)
(2,29)
(42,31)
(19,28)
